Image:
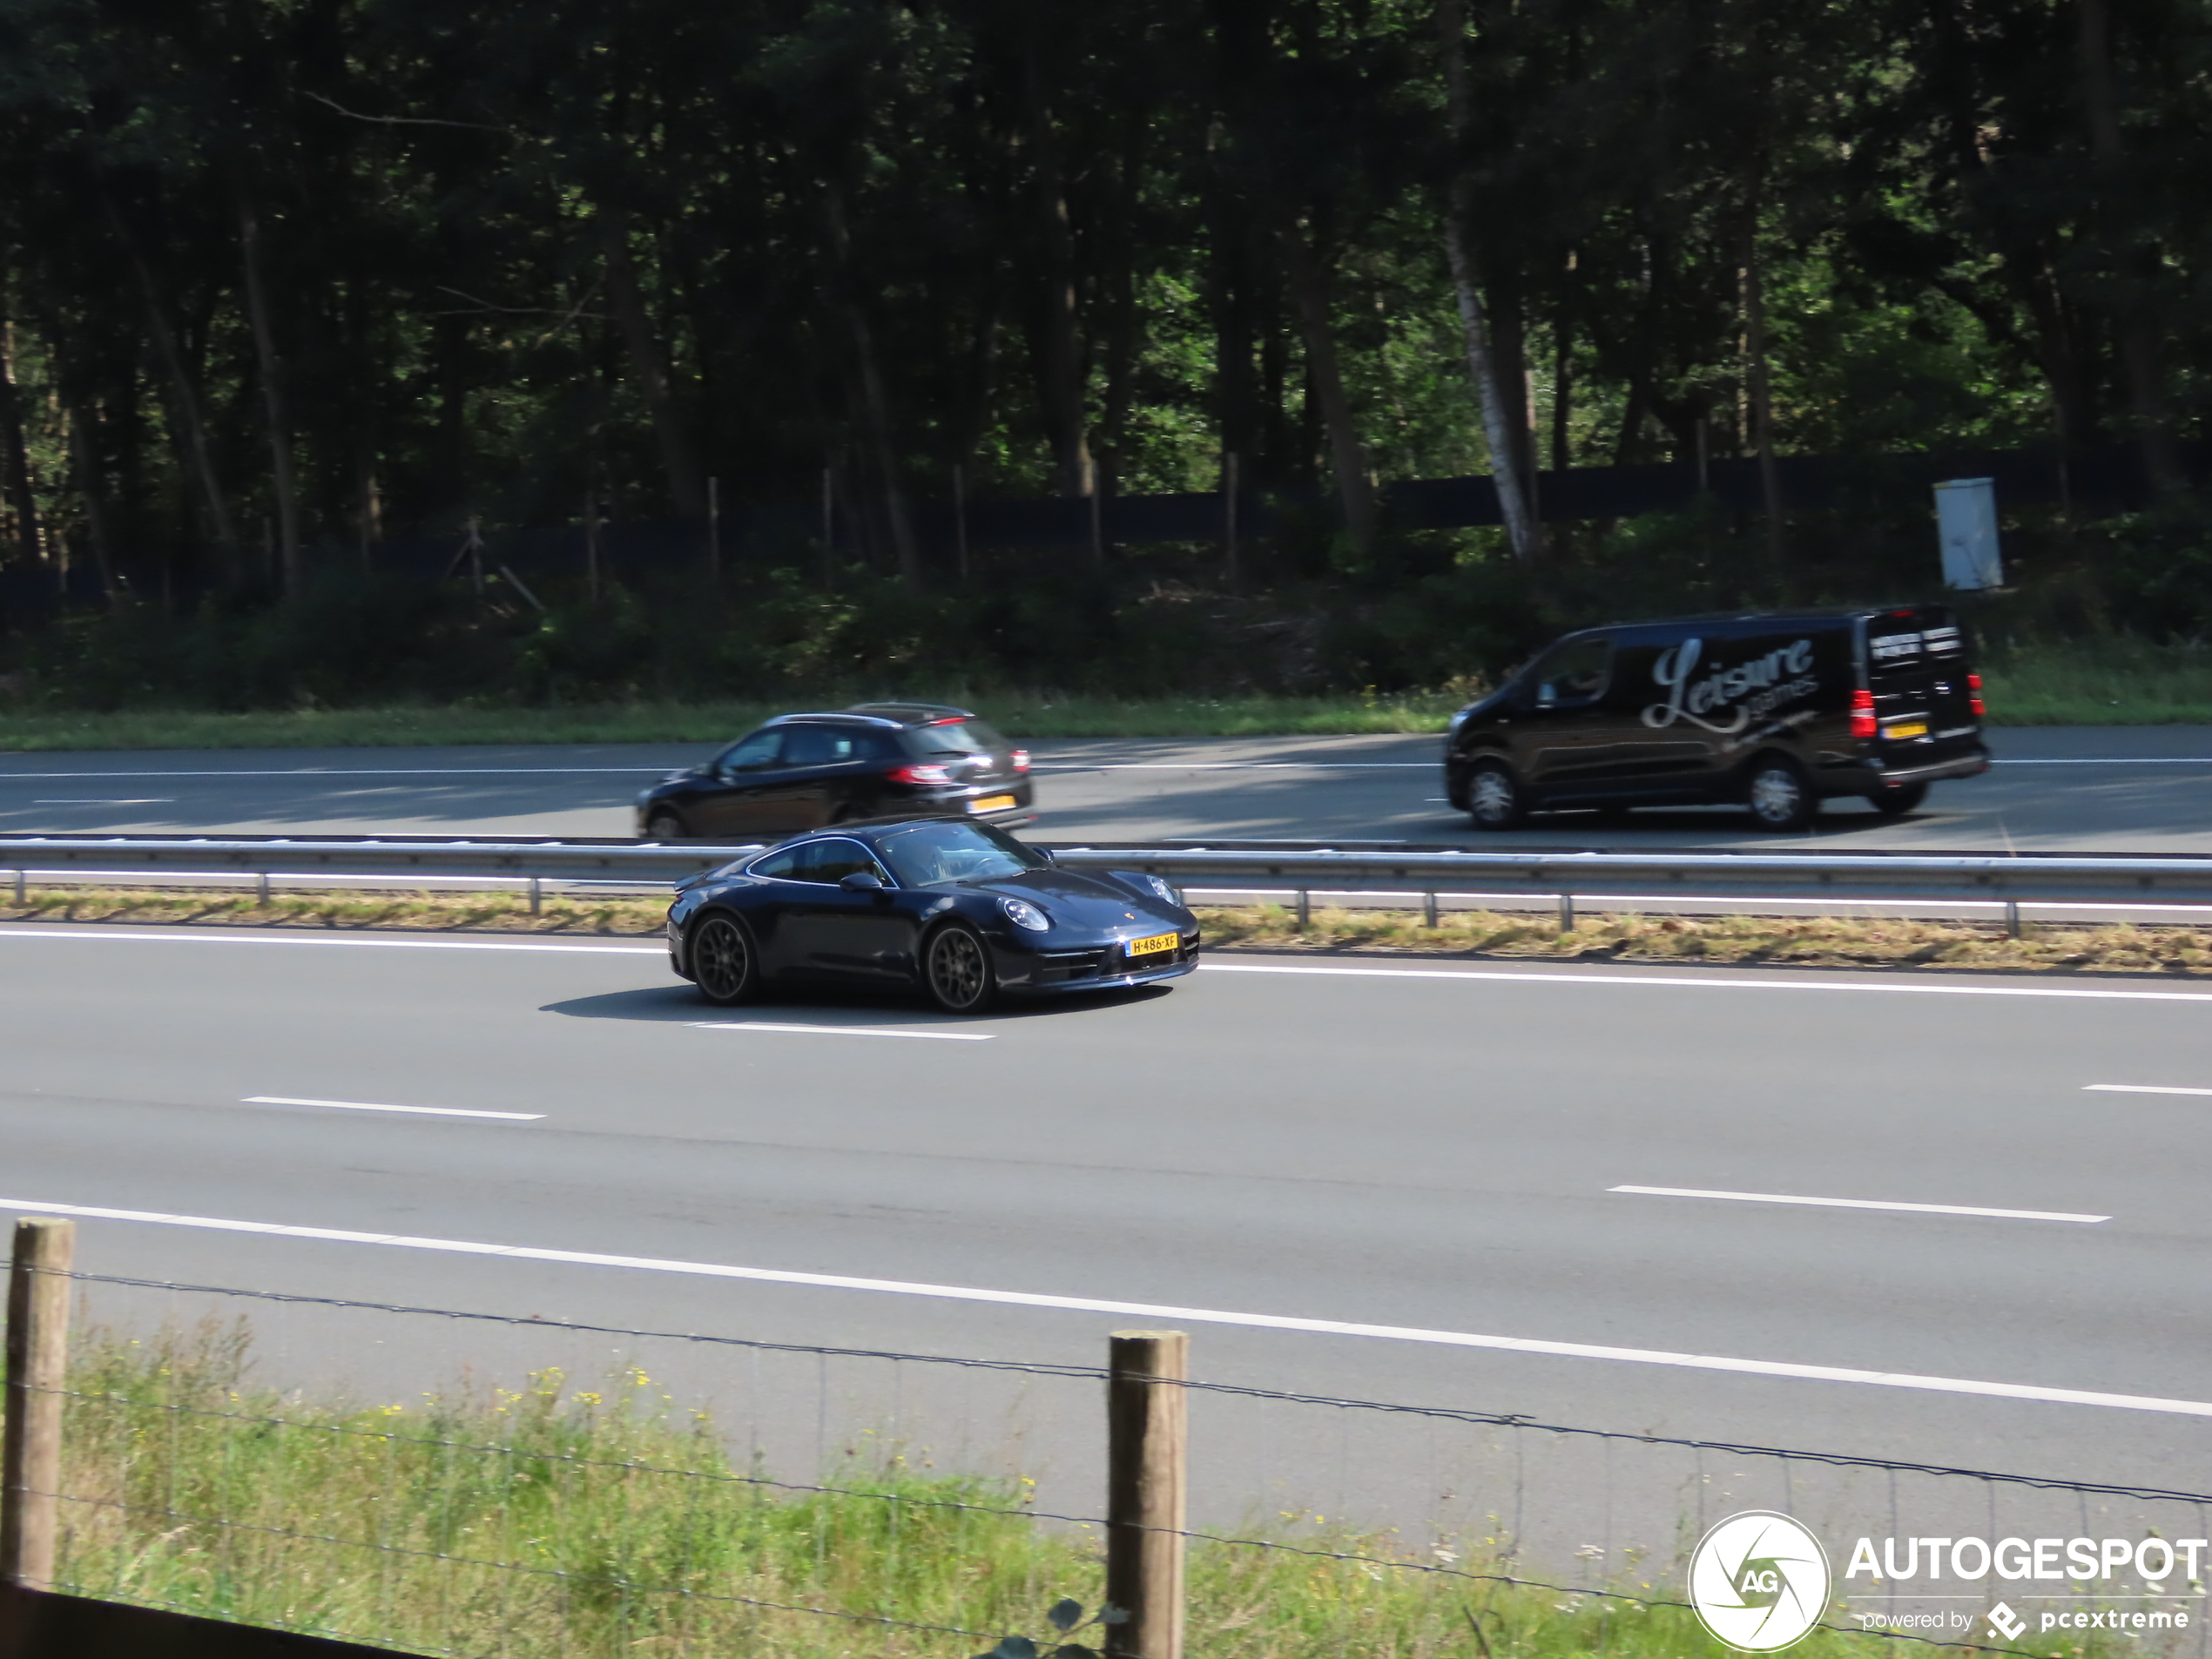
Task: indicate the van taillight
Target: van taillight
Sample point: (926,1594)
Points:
(1973,695)
(1021,760)
(1863,723)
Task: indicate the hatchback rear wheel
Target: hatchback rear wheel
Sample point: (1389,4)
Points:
(956,969)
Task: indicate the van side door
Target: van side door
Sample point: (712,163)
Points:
(1564,735)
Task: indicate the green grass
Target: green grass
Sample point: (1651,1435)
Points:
(2114,682)
(188,1486)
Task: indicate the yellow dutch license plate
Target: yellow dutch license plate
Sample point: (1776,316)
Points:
(1910,729)
(1153,946)
(992,803)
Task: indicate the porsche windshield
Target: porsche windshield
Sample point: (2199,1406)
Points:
(931,856)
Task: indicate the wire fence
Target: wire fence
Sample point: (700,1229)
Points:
(504,1486)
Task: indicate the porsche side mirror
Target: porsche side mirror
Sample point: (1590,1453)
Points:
(862,882)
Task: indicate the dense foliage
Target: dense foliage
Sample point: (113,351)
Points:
(285,276)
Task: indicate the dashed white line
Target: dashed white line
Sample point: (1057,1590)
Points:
(2139,1088)
(843,1030)
(365,1106)
(1863,1204)
(151,936)
(104,800)
(1150,1311)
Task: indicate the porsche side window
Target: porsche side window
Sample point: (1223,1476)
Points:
(752,753)
(780,866)
(832,861)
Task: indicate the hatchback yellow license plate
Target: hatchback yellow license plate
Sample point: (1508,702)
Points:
(992,803)
(1910,729)
(1153,946)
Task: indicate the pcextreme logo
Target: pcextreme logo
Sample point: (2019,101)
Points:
(1759,1582)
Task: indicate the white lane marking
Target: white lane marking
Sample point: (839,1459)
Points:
(1146,1310)
(364,1106)
(844,1030)
(1241,765)
(348,772)
(104,800)
(2114,760)
(1694,982)
(152,936)
(2139,1088)
(1863,1204)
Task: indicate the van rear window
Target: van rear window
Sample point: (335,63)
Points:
(1890,646)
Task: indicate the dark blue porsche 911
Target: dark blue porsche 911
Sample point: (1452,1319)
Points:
(959,910)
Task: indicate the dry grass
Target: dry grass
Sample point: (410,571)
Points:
(1808,941)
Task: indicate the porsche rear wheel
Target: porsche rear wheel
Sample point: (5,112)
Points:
(956,969)
(723,965)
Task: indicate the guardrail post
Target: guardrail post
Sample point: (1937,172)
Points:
(22,899)
(1566,912)
(261,889)
(535,895)
(1147,1434)
(1428,910)
(2012,918)
(30,1448)
(1304,910)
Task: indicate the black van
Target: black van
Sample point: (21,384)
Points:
(1776,712)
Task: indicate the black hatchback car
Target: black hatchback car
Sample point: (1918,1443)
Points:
(956,909)
(801,772)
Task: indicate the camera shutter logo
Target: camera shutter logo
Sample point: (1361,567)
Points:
(1759,1582)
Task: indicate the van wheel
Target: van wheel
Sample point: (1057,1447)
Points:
(1779,795)
(1895,802)
(1494,799)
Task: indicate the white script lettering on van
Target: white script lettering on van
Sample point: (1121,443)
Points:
(1746,691)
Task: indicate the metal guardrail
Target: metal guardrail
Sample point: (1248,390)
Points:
(2164,878)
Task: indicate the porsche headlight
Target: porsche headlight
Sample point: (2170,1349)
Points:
(1023,914)
(1158,884)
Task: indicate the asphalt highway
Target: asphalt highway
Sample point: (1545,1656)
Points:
(1404,1184)
(2141,789)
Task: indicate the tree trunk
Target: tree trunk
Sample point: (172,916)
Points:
(91,485)
(15,454)
(875,401)
(1761,388)
(272,397)
(1521,533)
(1347,459)
(686,484)
(1060,369)
(188,414)
(2140,352)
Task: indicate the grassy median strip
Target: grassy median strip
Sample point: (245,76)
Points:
(2111,682)
(1795,942)
(558,1521)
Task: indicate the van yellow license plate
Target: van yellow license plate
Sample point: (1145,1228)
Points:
(1908,729)
(992,803)
(1153,946)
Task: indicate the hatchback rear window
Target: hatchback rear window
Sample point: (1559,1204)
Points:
(956,737)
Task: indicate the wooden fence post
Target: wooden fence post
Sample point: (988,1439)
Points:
(30,1451)
(1147,1431)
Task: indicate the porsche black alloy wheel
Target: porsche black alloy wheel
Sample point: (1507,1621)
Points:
(957,969)
(722,960)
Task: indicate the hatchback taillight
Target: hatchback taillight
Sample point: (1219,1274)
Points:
(1863,723)
(1021,760)
(1973,695)
(918,773)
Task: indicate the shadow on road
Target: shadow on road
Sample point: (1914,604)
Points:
(681,1005)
